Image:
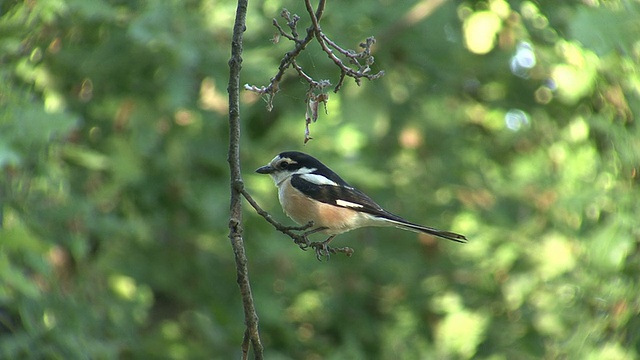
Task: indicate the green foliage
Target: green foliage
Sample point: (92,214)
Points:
(114,188)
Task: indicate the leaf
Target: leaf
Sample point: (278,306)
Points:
(25,126)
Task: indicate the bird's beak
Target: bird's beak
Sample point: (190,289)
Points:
(267,169)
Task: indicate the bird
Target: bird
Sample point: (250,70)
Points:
(311,193)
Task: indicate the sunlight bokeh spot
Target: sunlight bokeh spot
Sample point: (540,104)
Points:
(516,119)
(480,30)
(523,60)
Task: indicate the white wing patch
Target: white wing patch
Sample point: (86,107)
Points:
(348,204)
(305,170)
(318,179)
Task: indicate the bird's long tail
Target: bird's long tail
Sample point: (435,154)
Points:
(429,230)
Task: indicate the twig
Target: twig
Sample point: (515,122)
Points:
(326,43)
(362,60)
(246,341)
(345,70)
(320,248)
(299,239)
(251,335)
(274,85)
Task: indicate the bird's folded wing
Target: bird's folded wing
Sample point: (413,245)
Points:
(339,195)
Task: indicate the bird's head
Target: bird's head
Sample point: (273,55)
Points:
(289,163)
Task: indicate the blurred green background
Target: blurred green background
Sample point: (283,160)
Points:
(512,122)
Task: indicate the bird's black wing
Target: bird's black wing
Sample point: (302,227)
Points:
(352,198)
(342,196)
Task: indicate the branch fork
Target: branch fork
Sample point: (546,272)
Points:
(358,63)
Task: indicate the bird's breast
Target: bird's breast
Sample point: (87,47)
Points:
(303,209)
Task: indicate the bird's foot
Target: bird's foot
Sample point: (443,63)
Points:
(302,241)
(323,249)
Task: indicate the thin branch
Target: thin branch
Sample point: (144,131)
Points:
(346,70)
(326,44)
(246,341)
(292,22)
(320,248)
(252,336)
(274,85)
(362,60)
(299,239)
(304,75)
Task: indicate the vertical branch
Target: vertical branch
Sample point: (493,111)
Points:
(251,335)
